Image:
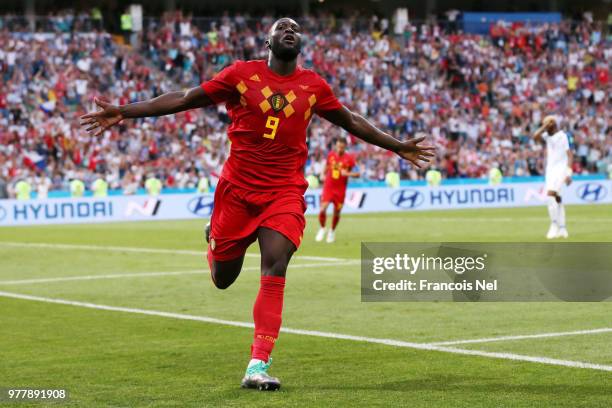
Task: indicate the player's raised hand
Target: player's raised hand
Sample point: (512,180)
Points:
(414,153)
(98,122)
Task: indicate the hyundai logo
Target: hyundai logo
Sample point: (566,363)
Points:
(592,192)
(201,206)
(2,213)
(407,198)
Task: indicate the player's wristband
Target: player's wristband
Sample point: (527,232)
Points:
(570,172)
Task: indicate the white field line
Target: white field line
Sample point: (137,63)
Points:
(388,342)
(532,359)
(201,253)
(523,337)
(155,274)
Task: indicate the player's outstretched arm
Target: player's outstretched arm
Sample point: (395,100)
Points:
(359,126)
(166,104)
(346,173)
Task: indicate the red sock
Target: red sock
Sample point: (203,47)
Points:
(335,220)
(267,316)
(322,218)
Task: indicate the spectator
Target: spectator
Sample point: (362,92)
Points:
(129,184)
(3,189)
(77,188)
(479,97)
(153,185)
(43,185)
(100,186)
(433,177)
(23,189)
(203,185)
(495,175)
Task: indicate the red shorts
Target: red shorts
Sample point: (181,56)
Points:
(238,213)
(334,196)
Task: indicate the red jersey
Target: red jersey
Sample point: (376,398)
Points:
(269,114)
(334,180)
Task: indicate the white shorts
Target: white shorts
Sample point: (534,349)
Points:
(555,179)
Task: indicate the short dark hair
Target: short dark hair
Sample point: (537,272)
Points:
(341,139)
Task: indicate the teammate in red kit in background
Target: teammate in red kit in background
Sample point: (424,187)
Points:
(337,172)
(260,193)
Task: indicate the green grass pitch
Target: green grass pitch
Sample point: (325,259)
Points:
(108,358)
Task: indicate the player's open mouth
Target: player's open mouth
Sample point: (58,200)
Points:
(289,39)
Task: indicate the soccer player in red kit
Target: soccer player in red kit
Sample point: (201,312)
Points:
(338,169)
(260,193)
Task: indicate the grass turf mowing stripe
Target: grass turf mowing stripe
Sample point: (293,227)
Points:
(155,274)
(388,342)
(148,250)
(94,277)
(491,219)
(522,337)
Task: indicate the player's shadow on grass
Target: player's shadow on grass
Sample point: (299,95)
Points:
(468,384)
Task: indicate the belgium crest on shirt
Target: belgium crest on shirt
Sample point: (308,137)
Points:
(277,101)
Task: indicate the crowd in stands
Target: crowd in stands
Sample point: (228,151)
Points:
(478,97)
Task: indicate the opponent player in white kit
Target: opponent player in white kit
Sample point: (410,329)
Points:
(558,172)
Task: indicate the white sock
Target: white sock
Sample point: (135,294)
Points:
(553,210)
(561,215)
